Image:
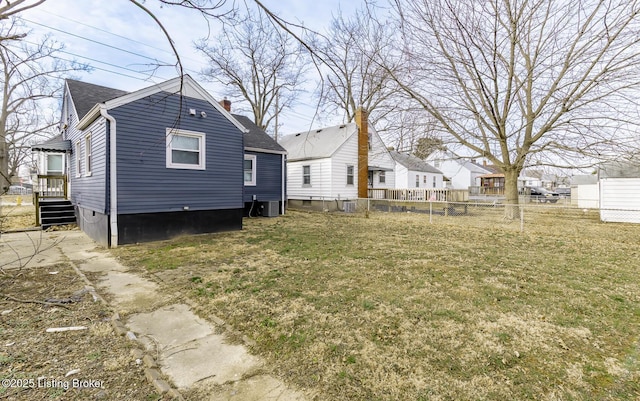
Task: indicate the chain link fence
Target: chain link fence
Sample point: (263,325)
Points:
(521,217)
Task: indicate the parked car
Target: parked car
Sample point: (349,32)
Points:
(543,195)
(564,192)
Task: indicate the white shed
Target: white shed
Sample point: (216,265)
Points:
(620,193)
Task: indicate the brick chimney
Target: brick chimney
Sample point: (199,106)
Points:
(226,103)
(363,152)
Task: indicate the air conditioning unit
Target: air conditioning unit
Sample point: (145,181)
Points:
(271,209)
(349,207)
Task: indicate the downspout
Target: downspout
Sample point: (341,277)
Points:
(113,183)
(284,181)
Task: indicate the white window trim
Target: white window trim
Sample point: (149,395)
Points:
(253,159)
(353,175)
(79,158)
(202,155)
(87,155)
(303,175)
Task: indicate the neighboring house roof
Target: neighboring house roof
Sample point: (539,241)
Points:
(85,95)
(256,138)
(584,179)
(413,163)
(620,169)
(317,144)
(55,144)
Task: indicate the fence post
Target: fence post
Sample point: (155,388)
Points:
(430,212)
(521,218)
(36,201)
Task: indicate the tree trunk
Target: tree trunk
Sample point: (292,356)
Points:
(4,167)
(511,210)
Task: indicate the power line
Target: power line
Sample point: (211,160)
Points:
(94,60)
(96,42)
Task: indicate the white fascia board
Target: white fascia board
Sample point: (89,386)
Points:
(258,150)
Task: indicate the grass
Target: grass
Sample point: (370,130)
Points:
(392,307)
(13,216)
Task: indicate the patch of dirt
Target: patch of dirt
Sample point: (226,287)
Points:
(17,217)
(86,364)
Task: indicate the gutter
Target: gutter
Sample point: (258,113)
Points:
(113,183)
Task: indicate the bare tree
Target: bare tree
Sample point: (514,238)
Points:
(29,77)
(523,82)
(350,52)
(259,64)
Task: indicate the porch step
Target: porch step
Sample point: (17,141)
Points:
(56,213)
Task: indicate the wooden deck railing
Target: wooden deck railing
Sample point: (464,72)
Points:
(476,191)
(420,194)
(52,186)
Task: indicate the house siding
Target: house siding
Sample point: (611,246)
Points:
(345,156)
(268,178)
(145,185)
(320,179)
(87,192)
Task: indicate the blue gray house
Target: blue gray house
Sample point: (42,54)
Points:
(265,170)
(148,165)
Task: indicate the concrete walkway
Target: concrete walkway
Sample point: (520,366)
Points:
(188,350)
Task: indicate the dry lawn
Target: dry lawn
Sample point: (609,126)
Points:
(392,307)
(14,217)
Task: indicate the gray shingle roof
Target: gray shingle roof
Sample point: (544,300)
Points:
(257,138)
(317,144)
(85,95)
(413,163)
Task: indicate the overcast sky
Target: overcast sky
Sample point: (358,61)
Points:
(122,43)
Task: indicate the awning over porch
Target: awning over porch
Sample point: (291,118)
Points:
(377,168)
(55,144)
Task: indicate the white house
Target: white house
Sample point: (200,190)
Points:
(585,191)
(336,163)
(620,193)
(461,172)
(413,172)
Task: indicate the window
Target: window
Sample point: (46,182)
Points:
(54,164)
(424,179)
(306,175)
(434,181)
(78,159)
(249,169)
(369,139)
(185,149)
(87,155)
(382,178)
(437,163)
(349,175)
(417,180)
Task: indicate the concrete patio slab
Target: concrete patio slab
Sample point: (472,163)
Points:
(209,358)
(257,388)
(169,326)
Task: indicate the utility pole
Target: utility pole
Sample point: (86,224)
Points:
(276,130)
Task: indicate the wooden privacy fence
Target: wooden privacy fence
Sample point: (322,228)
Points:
(420,194)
